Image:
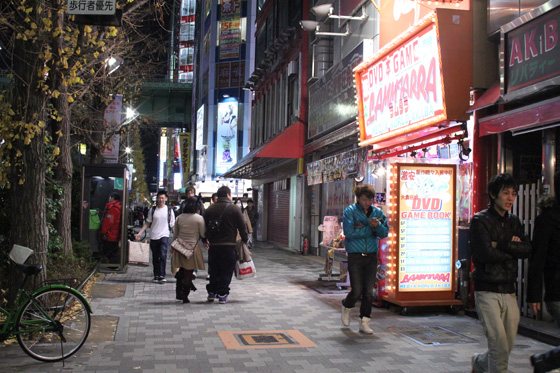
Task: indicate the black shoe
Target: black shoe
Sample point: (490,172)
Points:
(538,363)
(193,288)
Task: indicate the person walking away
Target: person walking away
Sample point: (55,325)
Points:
(111,228)
(545,265)
(497,242)
(160,219)
(189,227)
(190,193)
(253,216)
(363,225)
(222,254)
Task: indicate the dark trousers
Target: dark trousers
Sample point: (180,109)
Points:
(110,252)
(221,264)
(159,255)
(362,271)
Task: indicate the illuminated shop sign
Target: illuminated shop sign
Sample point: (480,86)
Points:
(532,53)
(401,89)
(426,220)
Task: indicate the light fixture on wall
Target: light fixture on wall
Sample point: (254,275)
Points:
(308,25)
(326,10)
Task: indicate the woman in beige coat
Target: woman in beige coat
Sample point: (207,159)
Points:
(190,227)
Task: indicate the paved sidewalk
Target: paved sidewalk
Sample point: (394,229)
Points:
(156,333)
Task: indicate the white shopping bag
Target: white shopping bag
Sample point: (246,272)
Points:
(138,253)
(245,270)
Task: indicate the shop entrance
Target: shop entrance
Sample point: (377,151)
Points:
(278,227)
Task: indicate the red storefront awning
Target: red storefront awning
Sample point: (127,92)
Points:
(281,149)
(287,144)
(543,114)
(488,98)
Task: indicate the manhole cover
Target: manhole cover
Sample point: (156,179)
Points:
(432,335)
(265,339)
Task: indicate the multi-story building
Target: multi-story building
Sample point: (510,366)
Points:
(221,107)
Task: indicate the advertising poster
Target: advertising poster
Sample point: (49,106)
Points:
(401,90)
(112,120)
(230,29)
(226,141)
(200,128)
(426,221)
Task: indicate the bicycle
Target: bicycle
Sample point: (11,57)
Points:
(51,323)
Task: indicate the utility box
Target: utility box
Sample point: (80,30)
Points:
(99,181)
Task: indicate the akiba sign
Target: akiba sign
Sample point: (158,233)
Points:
(532,52)
(402,89)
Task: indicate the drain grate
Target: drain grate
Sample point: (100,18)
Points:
(264,339)
(432,335)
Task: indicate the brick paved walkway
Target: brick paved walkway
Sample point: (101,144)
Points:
(156,333)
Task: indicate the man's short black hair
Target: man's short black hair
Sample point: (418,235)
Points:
(250,200)
(214,195)
(159,193)
(116,196)
(224,191)
(499,182)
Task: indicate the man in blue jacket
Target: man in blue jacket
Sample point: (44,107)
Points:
(363,224)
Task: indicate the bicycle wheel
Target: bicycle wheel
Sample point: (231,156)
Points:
(53,325)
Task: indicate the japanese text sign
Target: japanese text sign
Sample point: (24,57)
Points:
(92,7)
(532,53)
(426,220)
(401,90)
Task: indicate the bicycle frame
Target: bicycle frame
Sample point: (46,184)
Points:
(9,326)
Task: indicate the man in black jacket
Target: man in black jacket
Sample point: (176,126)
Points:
(222,254)
(497,242)
(545,265)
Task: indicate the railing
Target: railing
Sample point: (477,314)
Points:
(525,207)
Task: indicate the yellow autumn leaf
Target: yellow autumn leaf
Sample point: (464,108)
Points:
(70,99)
(96,54)
(27,141)
(56,150)
(55,93)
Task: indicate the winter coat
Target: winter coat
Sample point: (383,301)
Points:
(111,226)
(545,257)
(232,221)
(365,239)
(494,254)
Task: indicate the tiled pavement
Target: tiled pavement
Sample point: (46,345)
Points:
(156,333)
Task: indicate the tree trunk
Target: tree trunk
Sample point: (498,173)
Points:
(63,175)
(27,180)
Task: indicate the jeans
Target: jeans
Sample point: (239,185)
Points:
(221,264)
(362,271)
(159,255)
(499,315)
(554,309)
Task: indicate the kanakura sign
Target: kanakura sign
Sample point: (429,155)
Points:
(418,82)
(402,88)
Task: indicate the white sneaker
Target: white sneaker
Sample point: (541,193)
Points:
(345,315)
(364,326)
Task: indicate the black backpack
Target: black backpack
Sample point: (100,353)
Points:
(213,226)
